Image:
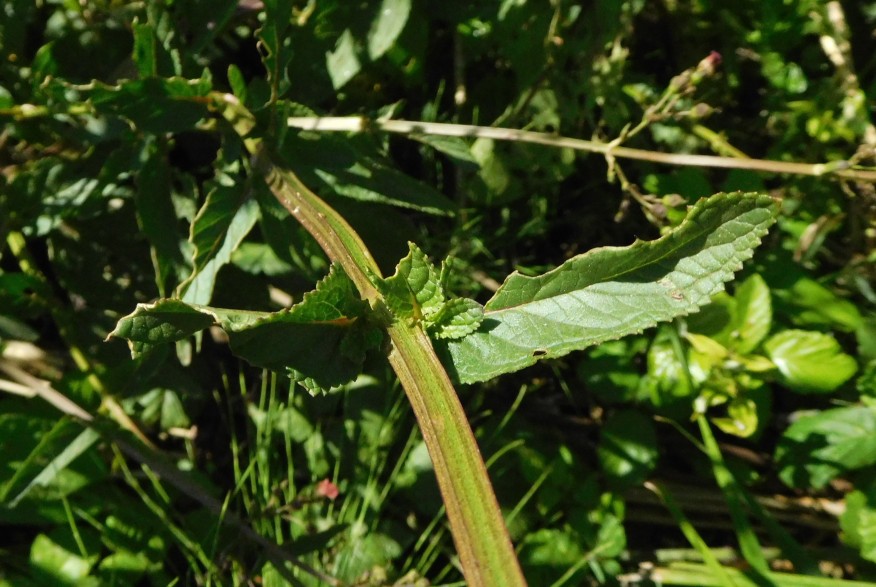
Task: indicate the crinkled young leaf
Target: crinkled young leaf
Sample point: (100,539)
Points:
(414,290)
(456,318)
(323,339)
(610,292)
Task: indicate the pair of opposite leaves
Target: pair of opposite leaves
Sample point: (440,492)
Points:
(600,295)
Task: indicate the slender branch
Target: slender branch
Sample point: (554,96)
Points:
(841,169)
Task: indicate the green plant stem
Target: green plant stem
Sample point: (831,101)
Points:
(840,169)
(482,542)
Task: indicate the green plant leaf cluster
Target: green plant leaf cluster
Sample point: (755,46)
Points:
(739,436)
(415,293)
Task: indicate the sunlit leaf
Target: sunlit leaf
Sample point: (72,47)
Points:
(753,314)
(385,29)
(858,522)
(610,292)
(810,362)
(456,318)
(343,63)
(414,291)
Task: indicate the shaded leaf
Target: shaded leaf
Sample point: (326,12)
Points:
(216,239)
(454,147)
(627,448)
(277,52)
(157,216)
(157,105)
(322,340)
(611,292)
(818,447)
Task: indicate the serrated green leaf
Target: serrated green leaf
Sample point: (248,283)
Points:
(610,292)
(818,447)
(414,290)
(456,318)
(810,362)
(162,322)
(324,338)
(754,314)
(385,29)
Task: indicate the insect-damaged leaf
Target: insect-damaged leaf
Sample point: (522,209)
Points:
(323,339)
(610,292)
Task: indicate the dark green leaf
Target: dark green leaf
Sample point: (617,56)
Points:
(144,50)
(156,105)
(355,170)
(322,339)
(627,448)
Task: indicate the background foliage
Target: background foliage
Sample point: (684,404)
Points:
(118,187)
